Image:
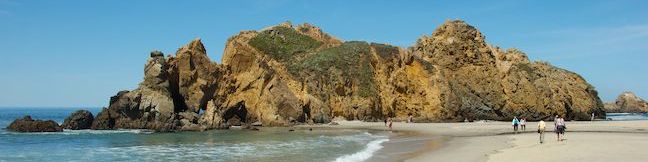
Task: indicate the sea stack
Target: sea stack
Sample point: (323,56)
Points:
(628,102)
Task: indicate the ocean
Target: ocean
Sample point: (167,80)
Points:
(269,144)
(627,116)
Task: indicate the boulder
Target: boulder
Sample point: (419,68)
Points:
(27,124)
(103,121)
(80,119)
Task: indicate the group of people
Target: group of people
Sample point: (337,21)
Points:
(519,122)
(559,125)
(388,123)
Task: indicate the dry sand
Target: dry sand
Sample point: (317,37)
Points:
(494,141)
(578,146)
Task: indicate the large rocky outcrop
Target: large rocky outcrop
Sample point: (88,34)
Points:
(627,102)
(194,76)
(80,119)
(473,80)
(27,124)
(153,105)
(285,74)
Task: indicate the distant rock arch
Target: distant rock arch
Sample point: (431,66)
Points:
(237,111)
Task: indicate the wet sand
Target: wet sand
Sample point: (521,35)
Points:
(406,145)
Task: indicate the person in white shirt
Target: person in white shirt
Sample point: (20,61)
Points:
(560,128)
(523,124)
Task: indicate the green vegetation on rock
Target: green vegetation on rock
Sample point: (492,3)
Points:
(385,51)
(284,44)
(526,67)
(341,57)
(299,54)
(351,59)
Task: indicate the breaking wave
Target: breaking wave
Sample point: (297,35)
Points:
(364,154)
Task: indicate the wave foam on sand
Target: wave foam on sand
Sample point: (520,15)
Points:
(365,154)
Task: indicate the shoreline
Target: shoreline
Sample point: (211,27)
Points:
(405,145)
(483,141)
(494,141)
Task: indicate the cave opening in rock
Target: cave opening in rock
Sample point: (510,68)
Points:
(236,112)
(306,113)
(569,115)
(201,112)
(111,123)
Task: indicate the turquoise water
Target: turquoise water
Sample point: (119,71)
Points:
(269,144)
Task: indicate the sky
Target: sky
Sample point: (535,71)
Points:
(71,53)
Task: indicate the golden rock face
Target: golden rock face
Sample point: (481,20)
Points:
(451,75)
(285,74)
(628,102)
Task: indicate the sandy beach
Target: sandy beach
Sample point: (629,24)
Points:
(494,142)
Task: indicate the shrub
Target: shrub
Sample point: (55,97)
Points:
(299,54)
(526,67)
(284,44)
(385,51)
(352,59)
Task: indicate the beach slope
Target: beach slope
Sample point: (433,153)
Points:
(495,142)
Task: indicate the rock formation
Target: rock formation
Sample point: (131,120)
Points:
(155,104)
(80,119)
(627,102)
(284,74)
(27,124)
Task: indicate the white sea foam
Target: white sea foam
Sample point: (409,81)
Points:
(254,150)
(364,154)
(86,131)
(627,116)
(109,145)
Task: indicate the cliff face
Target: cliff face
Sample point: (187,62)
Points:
(478,81)
(286,74)
(627,102)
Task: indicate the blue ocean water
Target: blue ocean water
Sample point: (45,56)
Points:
(269,144)
(627,116)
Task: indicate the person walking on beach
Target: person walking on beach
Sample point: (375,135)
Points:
(515,124)
(560,128)
(555,123)
(541,130)
(390,121)
(523,124)
(592,117)
(385,120)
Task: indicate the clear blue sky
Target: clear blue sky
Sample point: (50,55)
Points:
(79,53)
